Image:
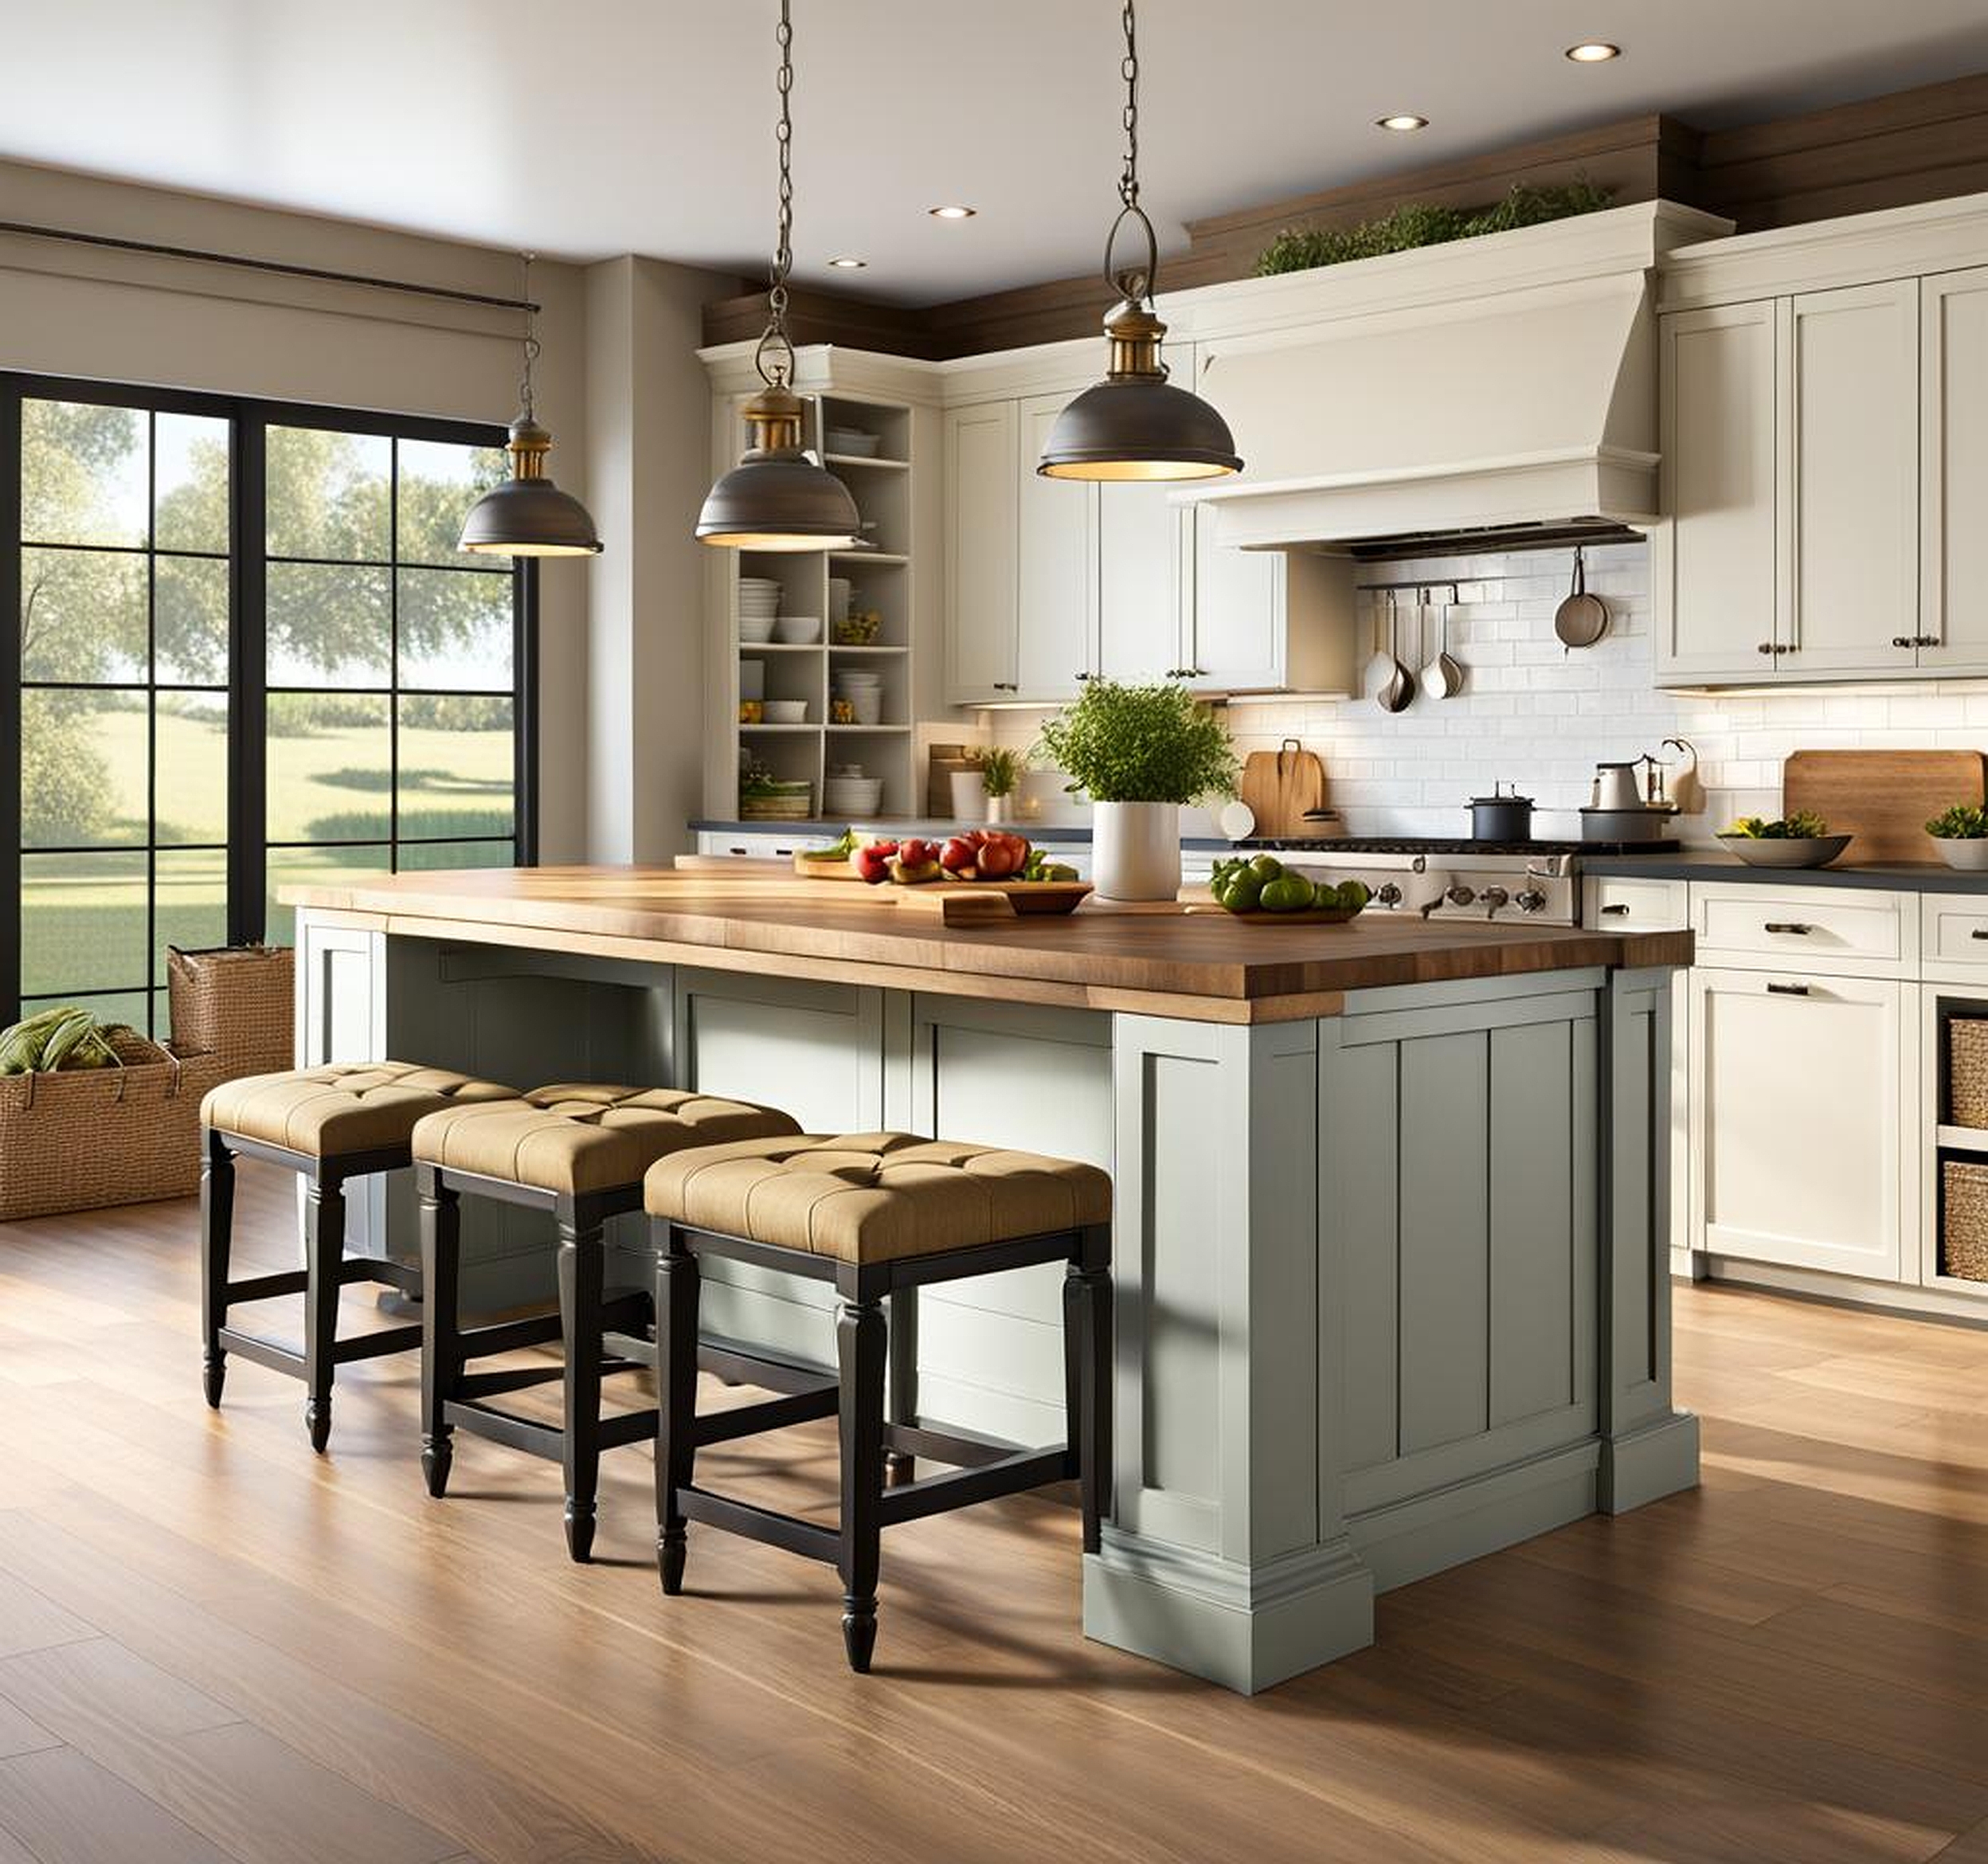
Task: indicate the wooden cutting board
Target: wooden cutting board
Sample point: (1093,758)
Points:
(1882,797)
(1279,786)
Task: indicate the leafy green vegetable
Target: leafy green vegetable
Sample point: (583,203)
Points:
(1803,825)
(1140,744)
(1963,822)
(1418,224)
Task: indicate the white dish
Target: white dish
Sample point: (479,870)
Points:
(798,630)
(756,629)
(786,712)
(851,797)
(854,441)
(1236,821)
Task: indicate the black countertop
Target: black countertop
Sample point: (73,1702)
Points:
(934,828)
(1714,865)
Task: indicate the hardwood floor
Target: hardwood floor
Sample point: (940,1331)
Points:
(216,1647)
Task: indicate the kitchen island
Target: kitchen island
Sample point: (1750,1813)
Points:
(1391,1240)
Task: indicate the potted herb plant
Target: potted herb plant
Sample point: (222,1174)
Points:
(1141,753)
(1961,835)
(1001,777)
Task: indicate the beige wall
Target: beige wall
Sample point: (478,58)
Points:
(72,310)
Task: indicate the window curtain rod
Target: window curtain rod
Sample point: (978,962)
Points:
(151,249)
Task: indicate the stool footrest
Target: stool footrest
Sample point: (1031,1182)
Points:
(944,1446)
(747,1365)
(790,1532)
(776,1414)
(272,1354)
(406,1276)
(377,1346)
(1029,1469)
(267,1287)
(537,1437)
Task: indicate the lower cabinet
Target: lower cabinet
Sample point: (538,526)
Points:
(1803,1088)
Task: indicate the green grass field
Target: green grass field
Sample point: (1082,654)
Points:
(83,917)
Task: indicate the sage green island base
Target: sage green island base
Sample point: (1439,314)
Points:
(1391,1267)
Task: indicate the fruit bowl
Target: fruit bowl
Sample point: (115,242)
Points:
(1806,850)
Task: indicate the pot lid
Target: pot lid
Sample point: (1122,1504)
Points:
(1493,801)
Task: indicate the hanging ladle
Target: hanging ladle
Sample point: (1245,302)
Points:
(1400,687)
(1442,677)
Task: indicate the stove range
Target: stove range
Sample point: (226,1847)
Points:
(1440,878)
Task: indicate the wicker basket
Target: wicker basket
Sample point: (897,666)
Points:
(235,1002)
(1963,1229)
(82,1139)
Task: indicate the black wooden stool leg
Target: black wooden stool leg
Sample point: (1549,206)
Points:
(899,1466)
(324,1247)
(860,1350)
(441,1339)
(581,1271)
(676,1292)
(1087,1378)
(217,1238)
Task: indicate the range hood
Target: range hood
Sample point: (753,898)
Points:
(1494,418)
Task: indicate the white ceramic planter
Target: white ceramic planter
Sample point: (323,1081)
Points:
(1970,855)
(997,809)
(969,796)
(1135,850)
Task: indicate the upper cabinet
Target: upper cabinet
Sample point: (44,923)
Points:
(1055,582)
(1953,590)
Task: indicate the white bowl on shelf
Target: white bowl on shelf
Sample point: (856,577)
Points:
(853,796)
(868,706)
(756,629)
(787,711)
(798,630)
(853,441)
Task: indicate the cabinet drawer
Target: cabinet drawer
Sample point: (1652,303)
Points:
(1617,904)
(1955,933)
(1850,932)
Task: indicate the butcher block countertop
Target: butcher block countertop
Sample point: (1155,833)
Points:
(1164,960)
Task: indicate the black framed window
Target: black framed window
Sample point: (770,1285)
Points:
(249,655)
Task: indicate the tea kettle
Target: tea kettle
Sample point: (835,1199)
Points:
(1616,787)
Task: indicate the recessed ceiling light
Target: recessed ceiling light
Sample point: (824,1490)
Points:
(1594,51)
(848,264)
(951,212)
(1405,121)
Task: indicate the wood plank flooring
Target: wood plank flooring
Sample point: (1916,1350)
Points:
(216,1649)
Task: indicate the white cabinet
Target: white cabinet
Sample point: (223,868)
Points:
(1713,563)
(1802,1086)
(1056,555)
(1954,471)
(981,608)
(1143,559)
(1852,480)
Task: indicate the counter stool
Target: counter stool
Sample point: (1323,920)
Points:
(327,1124)
(578,1153)
(880,1215)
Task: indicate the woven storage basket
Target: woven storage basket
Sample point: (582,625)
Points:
(82,1139)
(1963,1229)
(235,1002)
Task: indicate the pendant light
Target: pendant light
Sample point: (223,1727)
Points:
(1135,424)
(528,515)
(779,497)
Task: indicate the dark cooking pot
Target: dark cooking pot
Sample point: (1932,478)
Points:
(1500,818)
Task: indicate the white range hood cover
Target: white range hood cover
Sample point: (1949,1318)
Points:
(1520,408)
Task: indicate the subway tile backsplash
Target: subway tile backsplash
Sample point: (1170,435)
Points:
(1533,714)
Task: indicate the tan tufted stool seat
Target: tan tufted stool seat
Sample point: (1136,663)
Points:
(880,1215)
(578,1152)
(328,1125)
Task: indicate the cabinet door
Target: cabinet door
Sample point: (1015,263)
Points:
(1853,476)
(1716,584)
(1799,1084)
(1235,639)
(1142,539)
(1954,466)
(980,553)
(1058,577)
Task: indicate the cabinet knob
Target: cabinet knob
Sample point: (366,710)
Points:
(1766,647)
(1083,678)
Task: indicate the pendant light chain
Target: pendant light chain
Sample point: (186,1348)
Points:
(531,338)
(1133,283)
(1128,180)
(776,371)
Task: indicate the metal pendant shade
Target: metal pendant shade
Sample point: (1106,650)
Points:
(528,515)
(1136,425)
(780,496)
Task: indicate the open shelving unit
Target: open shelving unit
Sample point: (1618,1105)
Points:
(1951,1140)
(881,485)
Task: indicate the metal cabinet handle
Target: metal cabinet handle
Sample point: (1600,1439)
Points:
(1006,686)
(1798,930)
(1620,906)
(1788,990)
(1927,641)
(1082,678)
(1907,641)
(1766,647)
(1978,932)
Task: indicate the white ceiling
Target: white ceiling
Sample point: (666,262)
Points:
(595,128)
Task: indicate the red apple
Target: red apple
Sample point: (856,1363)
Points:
(873,863)
(961,858)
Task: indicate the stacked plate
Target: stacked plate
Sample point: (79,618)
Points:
(847,792)
(758,606)
(864,691)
